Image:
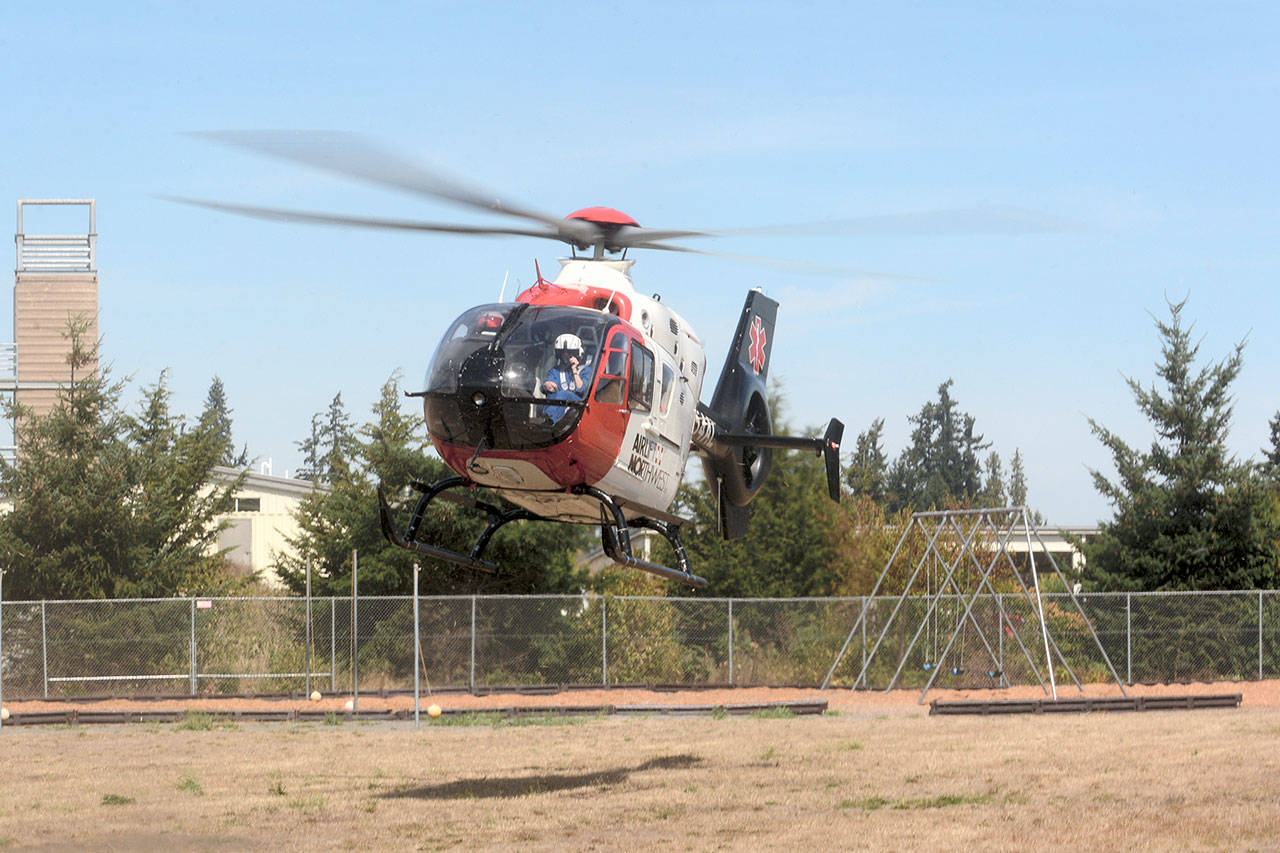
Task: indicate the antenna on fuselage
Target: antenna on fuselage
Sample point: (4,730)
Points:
(502,294)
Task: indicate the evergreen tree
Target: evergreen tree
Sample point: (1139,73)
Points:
(1187,514)
(111,505)
(1271,455)
(868,471)
(311,452)
(218,414)
(1017,481)
(339,441)
(342,517)
(1018,487)
(993,486)
(941,465)
(328,451)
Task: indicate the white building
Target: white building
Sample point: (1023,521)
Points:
(262,520)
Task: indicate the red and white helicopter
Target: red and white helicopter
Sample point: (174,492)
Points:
(579,402)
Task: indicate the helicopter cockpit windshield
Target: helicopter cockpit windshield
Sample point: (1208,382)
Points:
(513,376)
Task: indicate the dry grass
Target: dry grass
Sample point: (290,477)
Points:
(1189,779)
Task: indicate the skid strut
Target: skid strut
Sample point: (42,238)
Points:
(615,538)
(410,541)
(615,530)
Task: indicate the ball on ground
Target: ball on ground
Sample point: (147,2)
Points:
(315,695)
(351,704)
(433,711)
(4,713)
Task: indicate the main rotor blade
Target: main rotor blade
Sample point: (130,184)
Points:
(805,267)
(356,157)
(635,235)
(998,220)
(284,215)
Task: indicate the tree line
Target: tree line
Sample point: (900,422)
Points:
(109,502)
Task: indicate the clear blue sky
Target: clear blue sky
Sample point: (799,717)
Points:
(1152,125)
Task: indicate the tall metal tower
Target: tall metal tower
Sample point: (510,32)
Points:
(56,283)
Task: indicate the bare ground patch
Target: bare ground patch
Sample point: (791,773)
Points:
(870,776)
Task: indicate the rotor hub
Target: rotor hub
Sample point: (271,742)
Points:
(603,216)
(607,223)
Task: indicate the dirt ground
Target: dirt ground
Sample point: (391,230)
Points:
(875,773)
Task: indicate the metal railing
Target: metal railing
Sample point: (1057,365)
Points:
(57,253)
(230,646)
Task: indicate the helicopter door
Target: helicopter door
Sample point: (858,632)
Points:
(611,387)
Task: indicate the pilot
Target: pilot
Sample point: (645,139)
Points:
(569,378)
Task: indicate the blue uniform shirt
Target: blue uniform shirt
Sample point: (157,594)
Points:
(562,378)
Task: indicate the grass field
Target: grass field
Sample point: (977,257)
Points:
(1164,780)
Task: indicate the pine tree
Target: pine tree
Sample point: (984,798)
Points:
(941,465)
(106,504)
(1018,487)
(1188,515)
(1017,480)
(218,415)
(328,451)
(1271,455)
(993,486)
(338,435)
(311,452)
(868,471)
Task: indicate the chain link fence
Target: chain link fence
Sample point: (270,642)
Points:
(234,646)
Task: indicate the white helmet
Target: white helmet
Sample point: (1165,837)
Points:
(570,344)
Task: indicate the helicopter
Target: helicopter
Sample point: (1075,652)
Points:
(580,401)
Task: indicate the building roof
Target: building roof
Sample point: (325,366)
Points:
(286,486)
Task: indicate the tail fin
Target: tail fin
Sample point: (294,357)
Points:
(740,406)
(747,366)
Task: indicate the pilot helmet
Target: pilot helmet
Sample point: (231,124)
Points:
(568,345)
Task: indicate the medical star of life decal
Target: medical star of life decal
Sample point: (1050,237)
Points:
(758,340)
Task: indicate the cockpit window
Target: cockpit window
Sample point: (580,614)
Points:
(516,376)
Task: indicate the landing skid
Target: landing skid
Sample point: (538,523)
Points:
(615,530)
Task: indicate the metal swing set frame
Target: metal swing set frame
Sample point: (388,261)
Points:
(997,526)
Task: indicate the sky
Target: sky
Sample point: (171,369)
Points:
(1146,130)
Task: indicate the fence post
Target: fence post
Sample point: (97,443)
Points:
(307,634)
(472,677)
(333,643)
(193,647)
(355,631)
(1,640)
(1000,632)
(417,650)
(731,641)
(44,647)
(1259,635)
(866,606)
(604,641)
(1128,637)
